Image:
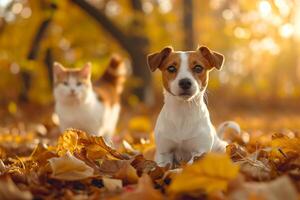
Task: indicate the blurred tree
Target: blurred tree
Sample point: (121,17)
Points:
(188,24)
(35,49)
(136,43)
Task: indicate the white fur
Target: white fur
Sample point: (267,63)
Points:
(183,129)
(83,110)
(183,72)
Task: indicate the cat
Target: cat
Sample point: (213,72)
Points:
(91,107)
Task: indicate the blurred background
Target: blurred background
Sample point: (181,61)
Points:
(258,86)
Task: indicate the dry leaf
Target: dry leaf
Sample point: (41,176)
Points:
(256,167)
(119,169)
(286,144)
(97,147)
(2,166)
(212,173)
(112,184)
(67,142)
(143,191)
(69,168)
(278,189)
(127,173)
(9,191)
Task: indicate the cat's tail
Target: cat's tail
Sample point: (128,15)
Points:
(228,125)
(116,71)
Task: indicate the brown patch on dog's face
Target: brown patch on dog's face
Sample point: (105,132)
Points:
(185,74)
(173,60)
(196,62)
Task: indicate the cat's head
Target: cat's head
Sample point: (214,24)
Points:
(71,85)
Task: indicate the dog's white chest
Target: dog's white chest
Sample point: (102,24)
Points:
(183,131)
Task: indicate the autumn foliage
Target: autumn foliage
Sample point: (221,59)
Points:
(85,167)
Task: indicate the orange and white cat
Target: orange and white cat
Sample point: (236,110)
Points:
(93,108)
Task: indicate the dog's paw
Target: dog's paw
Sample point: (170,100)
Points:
(164,159)
(220,146)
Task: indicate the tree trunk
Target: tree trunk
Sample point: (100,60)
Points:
(139,53)
(49,63)
(32,55)
(33,52)
(135,44)
(188,25)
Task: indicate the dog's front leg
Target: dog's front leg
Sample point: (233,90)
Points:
(219,145)
(194,155)
(164,150)
(198,145)
(164,159)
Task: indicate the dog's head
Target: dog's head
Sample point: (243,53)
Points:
(185,73)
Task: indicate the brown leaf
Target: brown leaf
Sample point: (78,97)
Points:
(147,166)
(278,189)
(143,191)
(70,168)
(127,173)
(9,191)
(112,185)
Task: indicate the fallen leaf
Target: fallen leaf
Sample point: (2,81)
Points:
(67,142)
(211,173)
(143,191)
(286,144)
(127,173)
(147,166)
(278,189)
(9,191)
(256,167)
(2,167)
(119,169)
(112,184)
(69,168)
(97,147)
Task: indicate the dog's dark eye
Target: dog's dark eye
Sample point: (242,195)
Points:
(78,83)
(198,69)
(171,69)
(65,83)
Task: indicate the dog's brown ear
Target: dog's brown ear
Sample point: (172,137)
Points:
(155,60)
(215,59)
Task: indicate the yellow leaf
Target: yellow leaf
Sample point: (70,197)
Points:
(212,173)
(69,168)
(95,151)
(67,142)
(287,144)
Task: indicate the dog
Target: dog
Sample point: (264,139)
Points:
(183,129)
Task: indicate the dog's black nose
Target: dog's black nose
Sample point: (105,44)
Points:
(185,83)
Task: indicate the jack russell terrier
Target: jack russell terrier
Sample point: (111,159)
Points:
(183,129)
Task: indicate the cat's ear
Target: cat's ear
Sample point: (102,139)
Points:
(58,69)
(86,71)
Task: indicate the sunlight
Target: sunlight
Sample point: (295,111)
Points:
(286,30)
(227,14)
(265,8)
(242,33)
(17,8)
(165,6)
(4,3)
(297,20)
(283,7)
